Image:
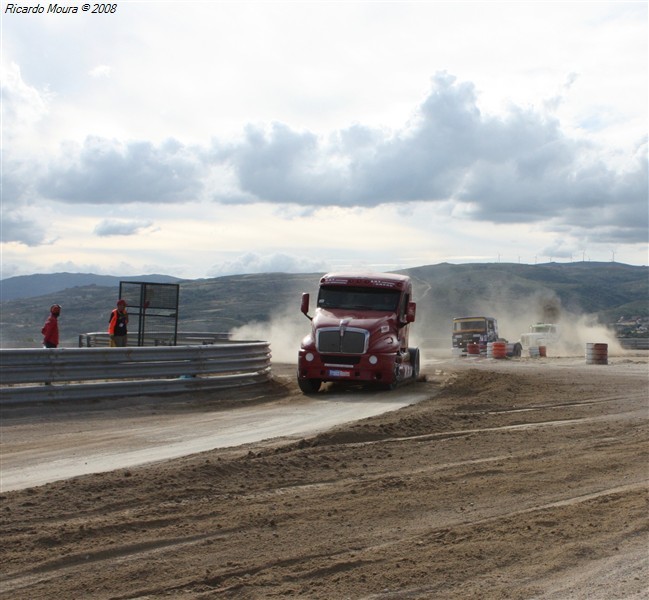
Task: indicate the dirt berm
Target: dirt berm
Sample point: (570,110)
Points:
(516,480)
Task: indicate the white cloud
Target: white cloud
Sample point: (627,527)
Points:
(101,71)
(251,262)
(109,227)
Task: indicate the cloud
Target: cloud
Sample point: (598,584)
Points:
(110,227)
(105,171)
(22,105)
(100,71)
(17,228)
(518,167)
(252,262)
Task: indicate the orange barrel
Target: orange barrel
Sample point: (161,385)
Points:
(596,354)
(534,351)
(500,349)
(542,352)
(473,348)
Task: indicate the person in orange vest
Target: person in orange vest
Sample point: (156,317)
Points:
(117,325)
(50,330)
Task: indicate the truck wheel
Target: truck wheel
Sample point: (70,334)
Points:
(414,361)
(394,384)
(518,350)
(309,386)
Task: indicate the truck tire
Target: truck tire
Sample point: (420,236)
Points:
(518,350)
(309,386)
(414,361)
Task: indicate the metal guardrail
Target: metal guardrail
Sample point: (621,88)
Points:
(634,343)
(38,375)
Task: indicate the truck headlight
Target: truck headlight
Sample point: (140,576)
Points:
(373,360)
(309,356)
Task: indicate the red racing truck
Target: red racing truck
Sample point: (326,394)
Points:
(359,332)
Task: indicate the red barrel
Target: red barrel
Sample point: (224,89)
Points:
(473,348)
(500,349)
(542,351)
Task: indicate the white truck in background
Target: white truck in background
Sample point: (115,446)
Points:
(540,334)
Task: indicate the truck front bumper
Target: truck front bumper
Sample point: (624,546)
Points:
(377,368)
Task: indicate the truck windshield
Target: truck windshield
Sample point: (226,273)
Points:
(543,329)
(475,324)
(358,298)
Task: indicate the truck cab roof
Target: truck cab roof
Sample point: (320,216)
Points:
(373,280)
(474,317)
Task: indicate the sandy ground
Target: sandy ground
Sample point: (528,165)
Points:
(64,441)
(506,479)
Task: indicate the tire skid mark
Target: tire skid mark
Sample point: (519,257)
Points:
(531,425)
(642,484)
(217,582)
(641,412)
(442,530)
(66,567)
(60,567)
(585,403)
(341,562)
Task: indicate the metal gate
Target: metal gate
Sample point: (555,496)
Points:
(152,307)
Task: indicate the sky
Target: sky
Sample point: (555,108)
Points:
(201,139)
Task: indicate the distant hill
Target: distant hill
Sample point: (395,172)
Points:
(268,304)
(519,295)
(31,286)
(581,287)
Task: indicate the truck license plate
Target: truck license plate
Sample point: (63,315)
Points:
(338,373)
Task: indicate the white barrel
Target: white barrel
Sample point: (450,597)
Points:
(534,352)
(596,354)
(490,350)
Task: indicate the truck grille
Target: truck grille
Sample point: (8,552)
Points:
(347,341)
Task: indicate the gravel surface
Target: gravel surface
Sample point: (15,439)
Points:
(506,479)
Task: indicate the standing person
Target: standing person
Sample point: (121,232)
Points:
(118,324)
(50,330)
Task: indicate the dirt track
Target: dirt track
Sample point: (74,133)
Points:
(514,479)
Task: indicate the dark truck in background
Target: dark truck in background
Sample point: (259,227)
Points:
(359,332)
(478,331)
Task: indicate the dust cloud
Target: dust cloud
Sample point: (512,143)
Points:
(432,330)
(515,314)
(284,332)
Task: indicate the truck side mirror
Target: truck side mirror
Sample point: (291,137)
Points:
(411,311)
(304,306)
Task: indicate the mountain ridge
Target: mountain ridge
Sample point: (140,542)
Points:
(267,304)
(40,284)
